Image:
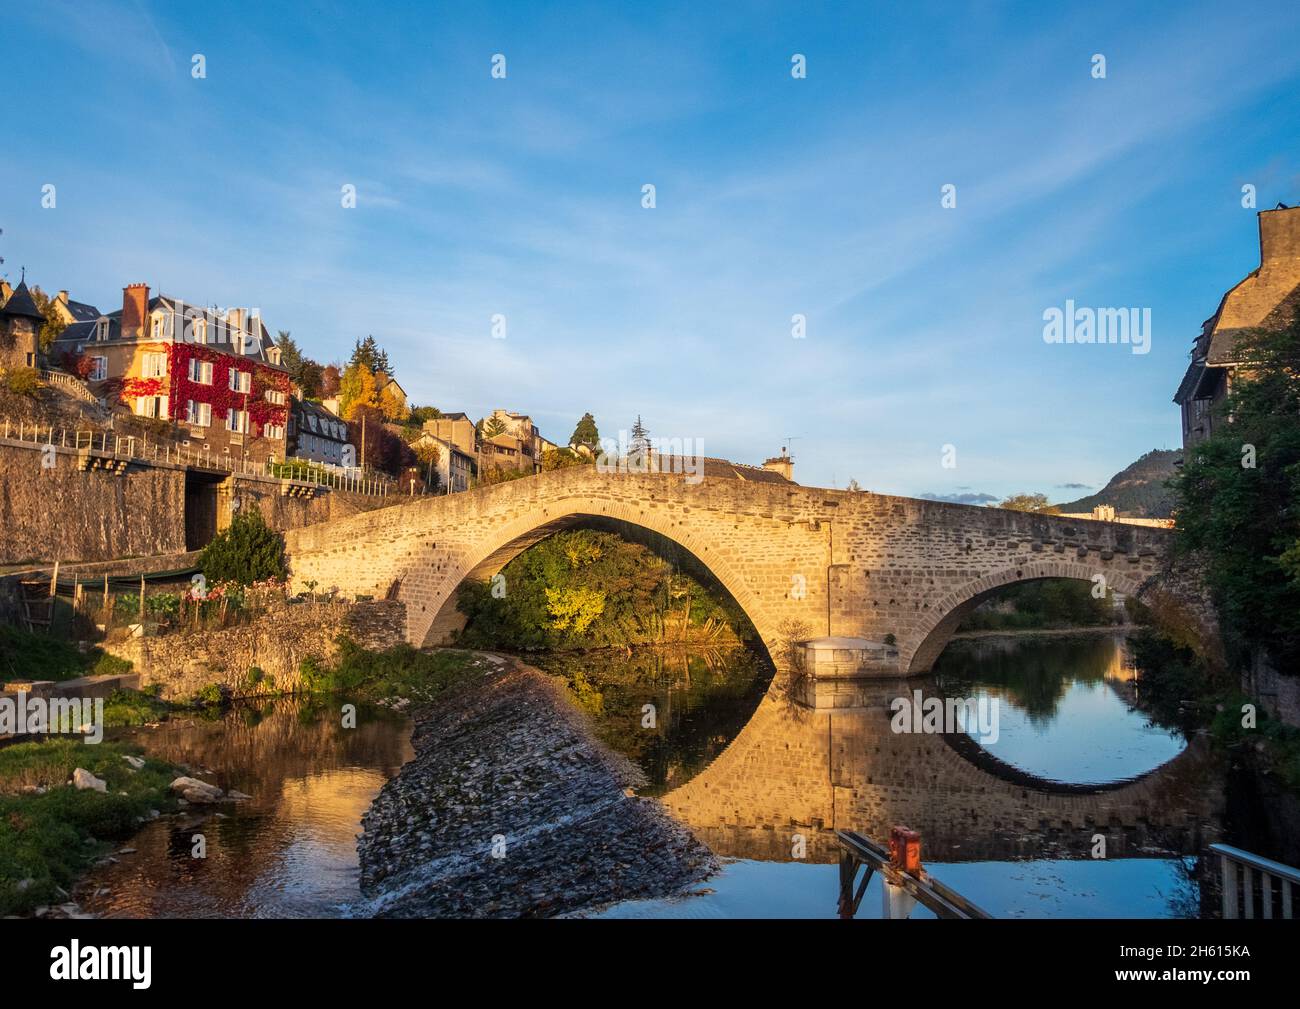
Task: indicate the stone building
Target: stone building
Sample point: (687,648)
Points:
(455,467)
(214,373)
(457,429)
(73,311)
(1267,298)
(519,447)
(20,329)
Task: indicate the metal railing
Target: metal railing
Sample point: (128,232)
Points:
(902,887)
(142,450)
(1248,884)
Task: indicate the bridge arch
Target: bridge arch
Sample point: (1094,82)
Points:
(436,579)
(947,612)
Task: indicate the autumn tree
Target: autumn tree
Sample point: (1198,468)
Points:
(358,390)
(393,404)
(330,377)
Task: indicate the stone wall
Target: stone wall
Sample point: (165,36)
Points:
(185,663)
(69,514)
(1279,694)
(65,513)
(803,562)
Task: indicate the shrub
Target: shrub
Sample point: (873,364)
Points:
(22,382)
(213,695)
(247,551)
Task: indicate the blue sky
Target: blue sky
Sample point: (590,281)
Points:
(775,197)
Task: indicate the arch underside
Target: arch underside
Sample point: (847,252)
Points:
(487,560)
(953,608)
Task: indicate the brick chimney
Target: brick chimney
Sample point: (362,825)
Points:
(135,309)
(63,297)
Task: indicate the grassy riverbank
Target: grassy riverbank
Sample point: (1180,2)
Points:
(24,655)
(50,831)
(400,672)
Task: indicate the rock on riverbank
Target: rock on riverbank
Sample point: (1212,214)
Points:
(512,808)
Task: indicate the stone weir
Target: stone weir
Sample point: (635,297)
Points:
(512,808)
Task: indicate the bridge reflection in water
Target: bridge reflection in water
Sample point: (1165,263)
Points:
(800,771)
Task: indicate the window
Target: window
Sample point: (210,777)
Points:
(200,330)
(275,396)
(154,365)
(98,369)
(101,329)
(198,414)
(200,371)
(240,381)
(157,327)
(273,431)
(237,421)
(151,406)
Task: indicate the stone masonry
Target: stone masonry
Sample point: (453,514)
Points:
(183,663)
(797,771)
(803,562)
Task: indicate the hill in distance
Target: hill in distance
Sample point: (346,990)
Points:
(1138,490)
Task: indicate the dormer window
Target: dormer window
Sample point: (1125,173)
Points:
(101,329)
(156,330)
(200,330)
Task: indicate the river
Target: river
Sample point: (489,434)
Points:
(760,777)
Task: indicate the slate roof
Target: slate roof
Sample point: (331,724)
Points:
(80,311)
(20,303)
(83,332)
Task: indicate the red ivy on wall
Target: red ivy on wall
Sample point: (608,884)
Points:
(222,398)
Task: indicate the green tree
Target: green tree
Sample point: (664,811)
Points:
(491,427)
(585,433)
(305,372)
(1239,498)
(246,551)
(1030,503)
(639,444)
(368,352)
(419,414)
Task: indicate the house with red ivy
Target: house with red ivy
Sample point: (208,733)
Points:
(214,373)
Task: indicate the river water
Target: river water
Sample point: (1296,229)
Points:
(762,776)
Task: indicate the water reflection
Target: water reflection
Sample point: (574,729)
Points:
(804,766)
(289,851)
(1069,709)
(701,700)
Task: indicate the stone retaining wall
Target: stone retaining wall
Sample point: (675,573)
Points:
(183,663)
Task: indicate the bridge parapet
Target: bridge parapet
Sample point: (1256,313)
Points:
(803,562)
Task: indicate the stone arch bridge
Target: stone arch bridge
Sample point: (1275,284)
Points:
(803,562)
